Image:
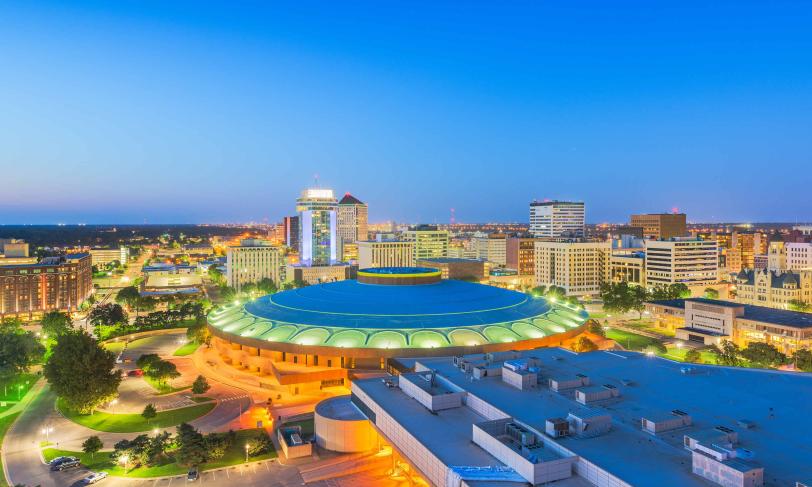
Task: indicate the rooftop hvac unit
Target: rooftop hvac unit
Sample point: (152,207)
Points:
(557,427)
(746,424)
(678,412)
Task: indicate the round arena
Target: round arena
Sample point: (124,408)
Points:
(316,333)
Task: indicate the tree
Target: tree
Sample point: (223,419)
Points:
(19,350)
(81,372)
(56,323)
(763,354)
(260,444)
(135,450)
(693,356)
(802,358)
(584,344)
(199,333)
(621,298)
(155,450)
(727,353)
(200,385)
(539,291)
(149,413)
(217,444)
(92,445)
(711,293)
(163,371)
(592,326)
(191,446)
(147,360)
(798,305)
(107,314)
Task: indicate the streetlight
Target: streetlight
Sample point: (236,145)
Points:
(47,431)
(247,446)
(156,431)
(19,391)
(124,459)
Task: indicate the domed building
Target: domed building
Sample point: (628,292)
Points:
(387,312)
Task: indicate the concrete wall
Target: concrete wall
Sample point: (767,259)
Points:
(347,436)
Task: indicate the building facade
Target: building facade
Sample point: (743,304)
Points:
(629,267)
(687,260)
(554,219)
(520,254)
(577,265)
(353,215)
(103,257)
(451,268)
(318,227)
(748,245)
(54,284)
(252,261)
(773,289)
(291,228)
(385,253)
(660,225)
(798,255)
(429,242)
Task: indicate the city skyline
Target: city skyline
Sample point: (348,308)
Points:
(173,114)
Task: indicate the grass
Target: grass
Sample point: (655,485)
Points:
(675,353)
(598,315)
(101,461)
(308,426)
(115,347)
(187,349)
(163,388)
(630,341)
(9,390)
(199,399)
(134,423)
(5,424)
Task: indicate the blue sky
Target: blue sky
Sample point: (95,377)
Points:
(134,111)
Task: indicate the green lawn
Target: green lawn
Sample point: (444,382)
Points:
(16,388)
(134,423)
(308,426)
(101,461)
(115,347)
(5,424)
(629,341)
(648,325)
(201,399)
(679,354)
(163,388)
(597,315)
(187,349)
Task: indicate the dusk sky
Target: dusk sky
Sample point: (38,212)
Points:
(184,112)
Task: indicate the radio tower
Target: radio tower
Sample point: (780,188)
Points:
(453,220)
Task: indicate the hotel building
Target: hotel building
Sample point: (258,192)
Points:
(252,261)
(554,219)
(577,265)
(318,226)
(687,260)
(55,283)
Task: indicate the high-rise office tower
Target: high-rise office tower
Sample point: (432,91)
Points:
(291,228)
(352,219)
(557,218)
(318,225)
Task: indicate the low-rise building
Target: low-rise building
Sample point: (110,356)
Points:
(709,321)
(103,257)
(526,418)
(629,267)
(252,261)
(660,225)
(429,242)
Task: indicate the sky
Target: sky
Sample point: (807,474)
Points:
(187,112)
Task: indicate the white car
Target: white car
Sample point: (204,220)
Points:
(94,477)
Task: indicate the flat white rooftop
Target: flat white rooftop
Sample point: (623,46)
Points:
(777,403)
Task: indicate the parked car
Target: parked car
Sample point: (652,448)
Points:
(135,373)
(61,463)
(94,477)
(192,475)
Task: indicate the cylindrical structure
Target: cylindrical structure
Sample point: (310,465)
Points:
(341,427)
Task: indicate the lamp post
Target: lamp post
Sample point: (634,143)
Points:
(19,391)
(47,432)
(124,459)
(247,446)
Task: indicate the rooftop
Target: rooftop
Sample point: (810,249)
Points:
(712,395)
(447,260)
(794,319)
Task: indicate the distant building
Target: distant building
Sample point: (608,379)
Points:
(629,230)
(748,245)
(291,227)
(709,321)
(54,284)
(103,257)
(799,255)
(554,219)
(492,247)
(385,253)
(577,265)
(451,268)
(12,248)
(428,242)
(318,227)
(320,274)
(687,260)
(252,261)
(773,289)
(661,225)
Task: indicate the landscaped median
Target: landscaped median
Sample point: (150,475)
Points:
(234,455)
(135,423)
(5,424)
